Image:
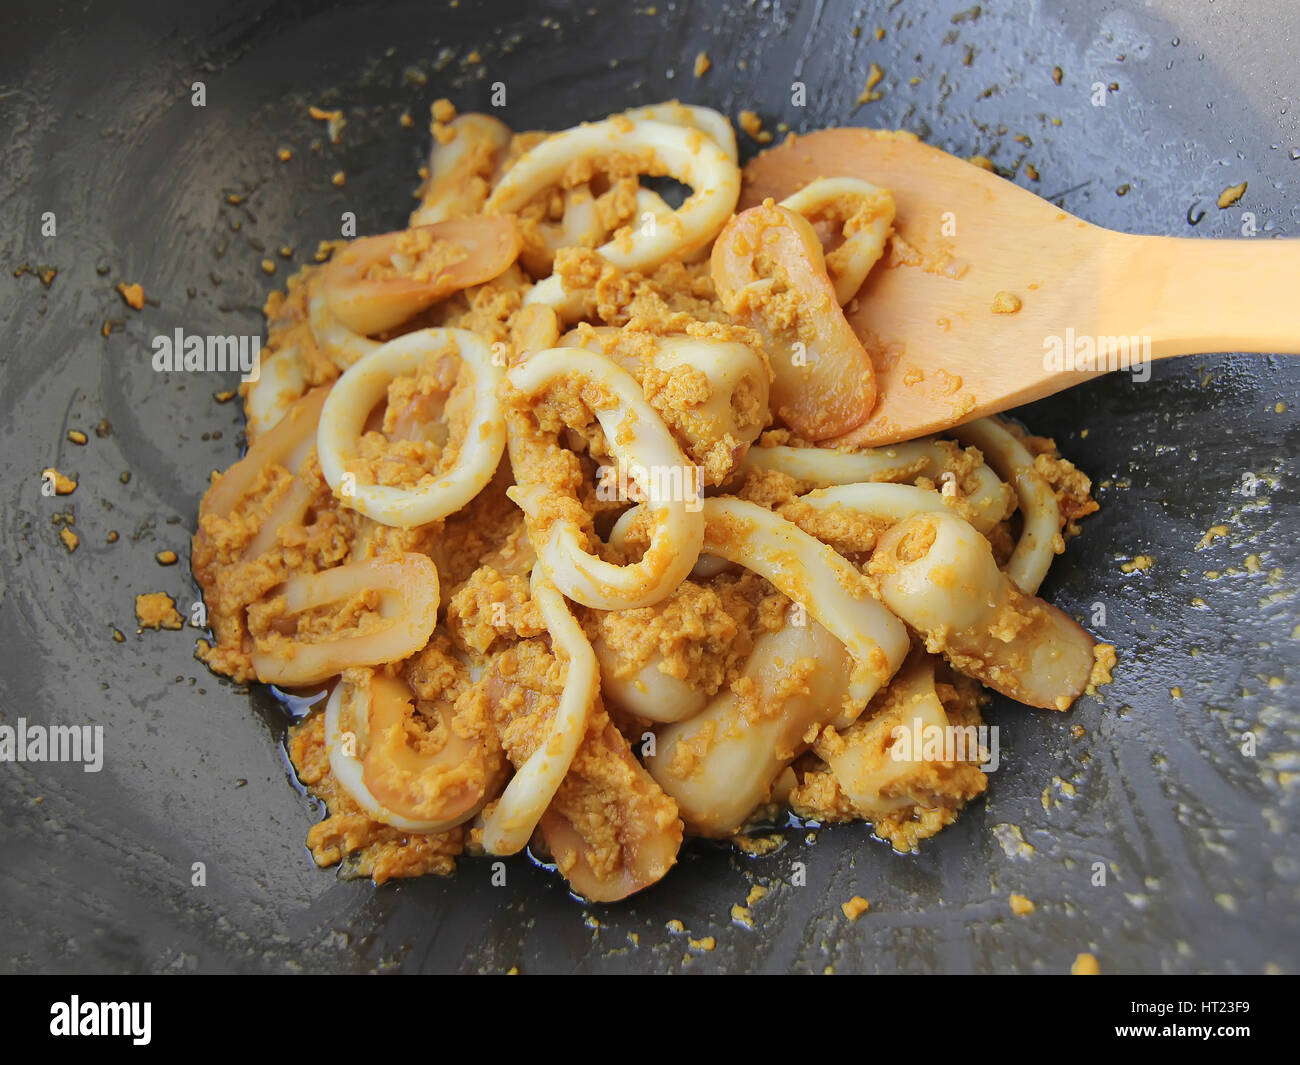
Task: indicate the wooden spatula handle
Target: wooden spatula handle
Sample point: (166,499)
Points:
(1191,296)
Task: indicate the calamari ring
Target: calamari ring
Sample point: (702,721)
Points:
(510,825)
(281,383)
(684,154)
(373,702)
(733,756)
(770,274)
(938,574)
(461,170)
(872,776)
(809,572)
(822,467)
(346,306)
(891,502)
(728,367)
(408,587)
(865,214)
(287,443)
(1040,535)
(713,124)
(355,395)
(638,440)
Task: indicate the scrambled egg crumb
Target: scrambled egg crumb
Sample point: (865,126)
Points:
(1085,965)
(855,907)
(1031,172)
(753,126)
(132,295)
(707,943)
(982,161)
(756,893)
(874,76)
(1006,303)
(702,64)
(165,558)
(1138,562)
(743,916)
(1103,655)
(77,436)
(339,179)
(284,155)
(1020,905)
(406,121)
(157,610)
(69,538)
(63,486)
(675,926)
(1214,532)
(1232,194)
(334,121)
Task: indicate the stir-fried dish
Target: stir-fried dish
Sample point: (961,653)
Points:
(543,503)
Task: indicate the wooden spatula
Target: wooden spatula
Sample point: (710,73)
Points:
(1090,299)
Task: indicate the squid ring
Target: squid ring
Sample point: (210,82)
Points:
(408,589)
(459,171)
(824,467)
(713,124)
(378,704)
(639,441)
(347,305)
(1038,505)
(865,213)
(355,395)
(770,274)
(510,825)
(685,154)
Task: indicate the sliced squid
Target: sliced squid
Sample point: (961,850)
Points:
(713,124)
(867,765)
(607,791)
(987,496)
(377,283)
(722,763)
(368,742)
(889,503)
(280,384)
(938,574)
(677,151)
(509,826)
(640,442)
(823,582)
(1040,535)
(770,274)
(286,444)
(717,432)
(365,384)
(858,217)
(461,170)
(407,587)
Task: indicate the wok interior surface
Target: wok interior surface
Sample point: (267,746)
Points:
(1195,837)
